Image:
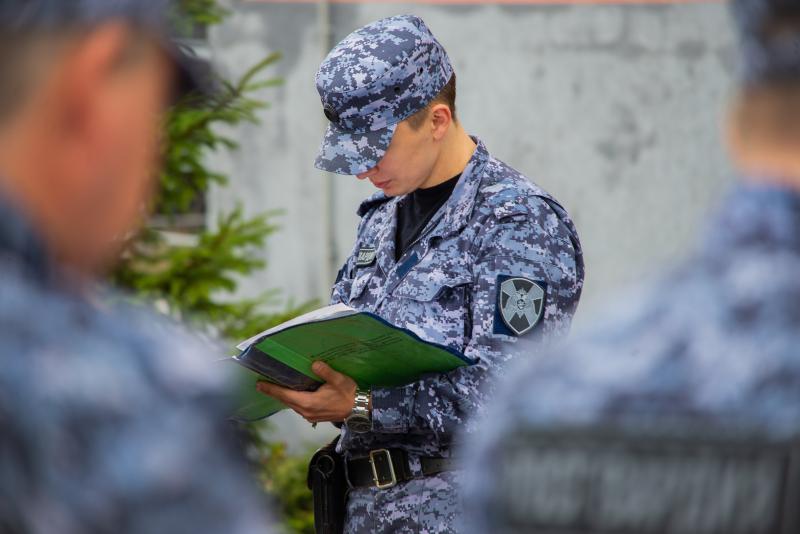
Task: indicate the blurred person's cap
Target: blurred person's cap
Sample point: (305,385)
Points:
(375,78)
(20,17)
(769,33)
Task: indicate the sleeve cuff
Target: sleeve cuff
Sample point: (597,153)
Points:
(391,409)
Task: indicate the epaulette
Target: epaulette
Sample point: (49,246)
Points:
(375,200)
(508,199)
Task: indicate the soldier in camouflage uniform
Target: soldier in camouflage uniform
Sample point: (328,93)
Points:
(110,419)
(496,259)
(680,412)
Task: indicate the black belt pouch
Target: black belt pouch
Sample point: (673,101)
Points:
(328,485)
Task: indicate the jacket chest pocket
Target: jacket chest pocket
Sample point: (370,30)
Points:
(365,283)
(435,304)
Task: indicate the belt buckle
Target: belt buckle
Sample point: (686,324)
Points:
(393,477)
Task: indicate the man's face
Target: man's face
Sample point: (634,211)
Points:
(127,161)
(107,99)
(408,162)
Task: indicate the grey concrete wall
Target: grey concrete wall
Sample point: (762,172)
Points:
(613,109)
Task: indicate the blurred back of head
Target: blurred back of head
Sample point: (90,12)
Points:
(83,84)
(764,122)
(29,26)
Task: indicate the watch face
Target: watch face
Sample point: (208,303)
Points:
(358,424)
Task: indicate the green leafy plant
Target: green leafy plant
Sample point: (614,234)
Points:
(198,13)
(193,280)
(284,475)
(191,134)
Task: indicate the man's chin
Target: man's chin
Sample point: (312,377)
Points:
(391,191)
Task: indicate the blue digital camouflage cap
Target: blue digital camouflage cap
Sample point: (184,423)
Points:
(19,17)
(769,32)
(376,77)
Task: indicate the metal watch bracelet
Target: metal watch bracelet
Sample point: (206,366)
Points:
(360,418)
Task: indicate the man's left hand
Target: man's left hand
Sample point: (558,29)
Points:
(332,402)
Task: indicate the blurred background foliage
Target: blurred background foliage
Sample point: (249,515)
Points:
(190,268)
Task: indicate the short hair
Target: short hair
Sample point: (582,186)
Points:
(21,57)
(25,57)
(446,96)
(30,28)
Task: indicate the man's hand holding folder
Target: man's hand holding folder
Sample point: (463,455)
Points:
(332,402)
(317,363)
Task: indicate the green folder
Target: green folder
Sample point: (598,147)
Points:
(360,345)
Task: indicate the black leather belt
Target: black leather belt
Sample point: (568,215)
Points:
(384,468)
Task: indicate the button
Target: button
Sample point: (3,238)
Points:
(330,113)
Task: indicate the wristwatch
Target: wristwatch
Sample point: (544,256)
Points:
(360,419)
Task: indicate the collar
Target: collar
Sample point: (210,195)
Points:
(21,245)
(459,207)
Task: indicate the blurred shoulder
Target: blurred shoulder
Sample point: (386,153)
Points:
(687,343)
(120,407)
(59,331)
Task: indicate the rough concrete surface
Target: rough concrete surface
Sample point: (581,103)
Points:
(616,110)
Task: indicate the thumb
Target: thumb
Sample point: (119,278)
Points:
(325,372)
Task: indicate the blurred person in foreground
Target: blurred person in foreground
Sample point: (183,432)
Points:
(681,412)
(110,420)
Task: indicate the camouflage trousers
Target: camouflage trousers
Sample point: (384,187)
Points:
(426,505)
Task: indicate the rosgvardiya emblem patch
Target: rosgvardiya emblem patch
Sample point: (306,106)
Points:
(520,304)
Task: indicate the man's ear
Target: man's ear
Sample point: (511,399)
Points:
(441,118)
(84,77)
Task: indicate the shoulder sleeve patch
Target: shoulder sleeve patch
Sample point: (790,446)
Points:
(520,305)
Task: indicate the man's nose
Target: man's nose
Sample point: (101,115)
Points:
(367,174)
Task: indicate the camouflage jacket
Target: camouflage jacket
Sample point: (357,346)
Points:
(111,420)
(445,288)
(709,352)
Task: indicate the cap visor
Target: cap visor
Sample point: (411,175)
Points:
(353,153)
